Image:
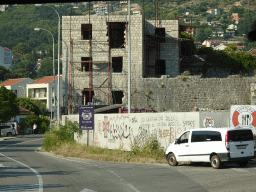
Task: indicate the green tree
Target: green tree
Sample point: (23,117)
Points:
(21,48)
(4,73)
(46,68)
(25,67)
(200,35)
(231,48)
(8,105)
(31,105)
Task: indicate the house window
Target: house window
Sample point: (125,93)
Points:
(160,67)
(87,95)
(116,34)
(117,97)
(42,92)
(86,64)
(117,64)
(160,32)
(86,31)
(31,92)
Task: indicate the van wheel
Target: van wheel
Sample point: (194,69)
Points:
(9,134)
(215,162)
(172,160)
(242,163)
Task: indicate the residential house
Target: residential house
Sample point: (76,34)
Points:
(5,57)
(220,47)
(16,56)
(231,30)
(211,43)
(102,9)
(191,31)
(3,7)
(18,86)
(137,11)
(218,32)
(213,11)
(123,2)
(38,64)
(45,90)
(235,17)
(23,113)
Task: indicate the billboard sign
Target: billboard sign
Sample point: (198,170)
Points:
(243,116)
(86,117)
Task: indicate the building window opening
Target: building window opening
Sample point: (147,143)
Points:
(160,67)
(87,95)
(117,97)
(116,34)
(117,64)
(160,32)
(86,64)
(86,31)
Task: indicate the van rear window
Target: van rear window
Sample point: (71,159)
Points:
(240,135)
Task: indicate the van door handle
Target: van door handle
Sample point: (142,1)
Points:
(186,145)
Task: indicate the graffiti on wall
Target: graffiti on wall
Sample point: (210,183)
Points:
(122,129)
(116,127)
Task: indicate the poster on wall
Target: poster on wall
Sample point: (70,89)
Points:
(86,117)
(243,116)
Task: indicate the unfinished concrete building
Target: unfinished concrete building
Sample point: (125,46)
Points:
(95,58)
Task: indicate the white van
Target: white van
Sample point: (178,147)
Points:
(215,145)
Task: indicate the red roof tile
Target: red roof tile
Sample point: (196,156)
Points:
(7,49)
(24,111)
(11,81)
(46,79)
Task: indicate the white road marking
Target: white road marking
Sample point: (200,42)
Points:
(39,177)
(129,185)
(87,190)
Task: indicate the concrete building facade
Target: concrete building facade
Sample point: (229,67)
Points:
(96,67)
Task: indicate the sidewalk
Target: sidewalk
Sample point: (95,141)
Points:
(6,138)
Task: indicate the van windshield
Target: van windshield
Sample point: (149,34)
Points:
(240,135)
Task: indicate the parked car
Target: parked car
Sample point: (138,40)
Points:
(7,130)
(214,145)
(14,125)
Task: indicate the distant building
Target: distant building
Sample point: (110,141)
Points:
(137,11)
(220,47)
(102,9)
(5,57)
(3,7)
(45,91)
(213,11)
(235,17)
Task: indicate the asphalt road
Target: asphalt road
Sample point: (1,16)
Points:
(23,168)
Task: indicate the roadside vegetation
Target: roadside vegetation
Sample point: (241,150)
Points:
(61,142)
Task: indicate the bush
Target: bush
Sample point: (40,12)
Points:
(151,148)
(65,133)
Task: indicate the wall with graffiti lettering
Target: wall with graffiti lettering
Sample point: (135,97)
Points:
(115,131)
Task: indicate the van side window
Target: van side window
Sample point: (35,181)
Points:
(213,136)
(184,138)
(198,136)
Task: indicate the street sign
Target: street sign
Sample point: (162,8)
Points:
(243,116)
(86,117)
